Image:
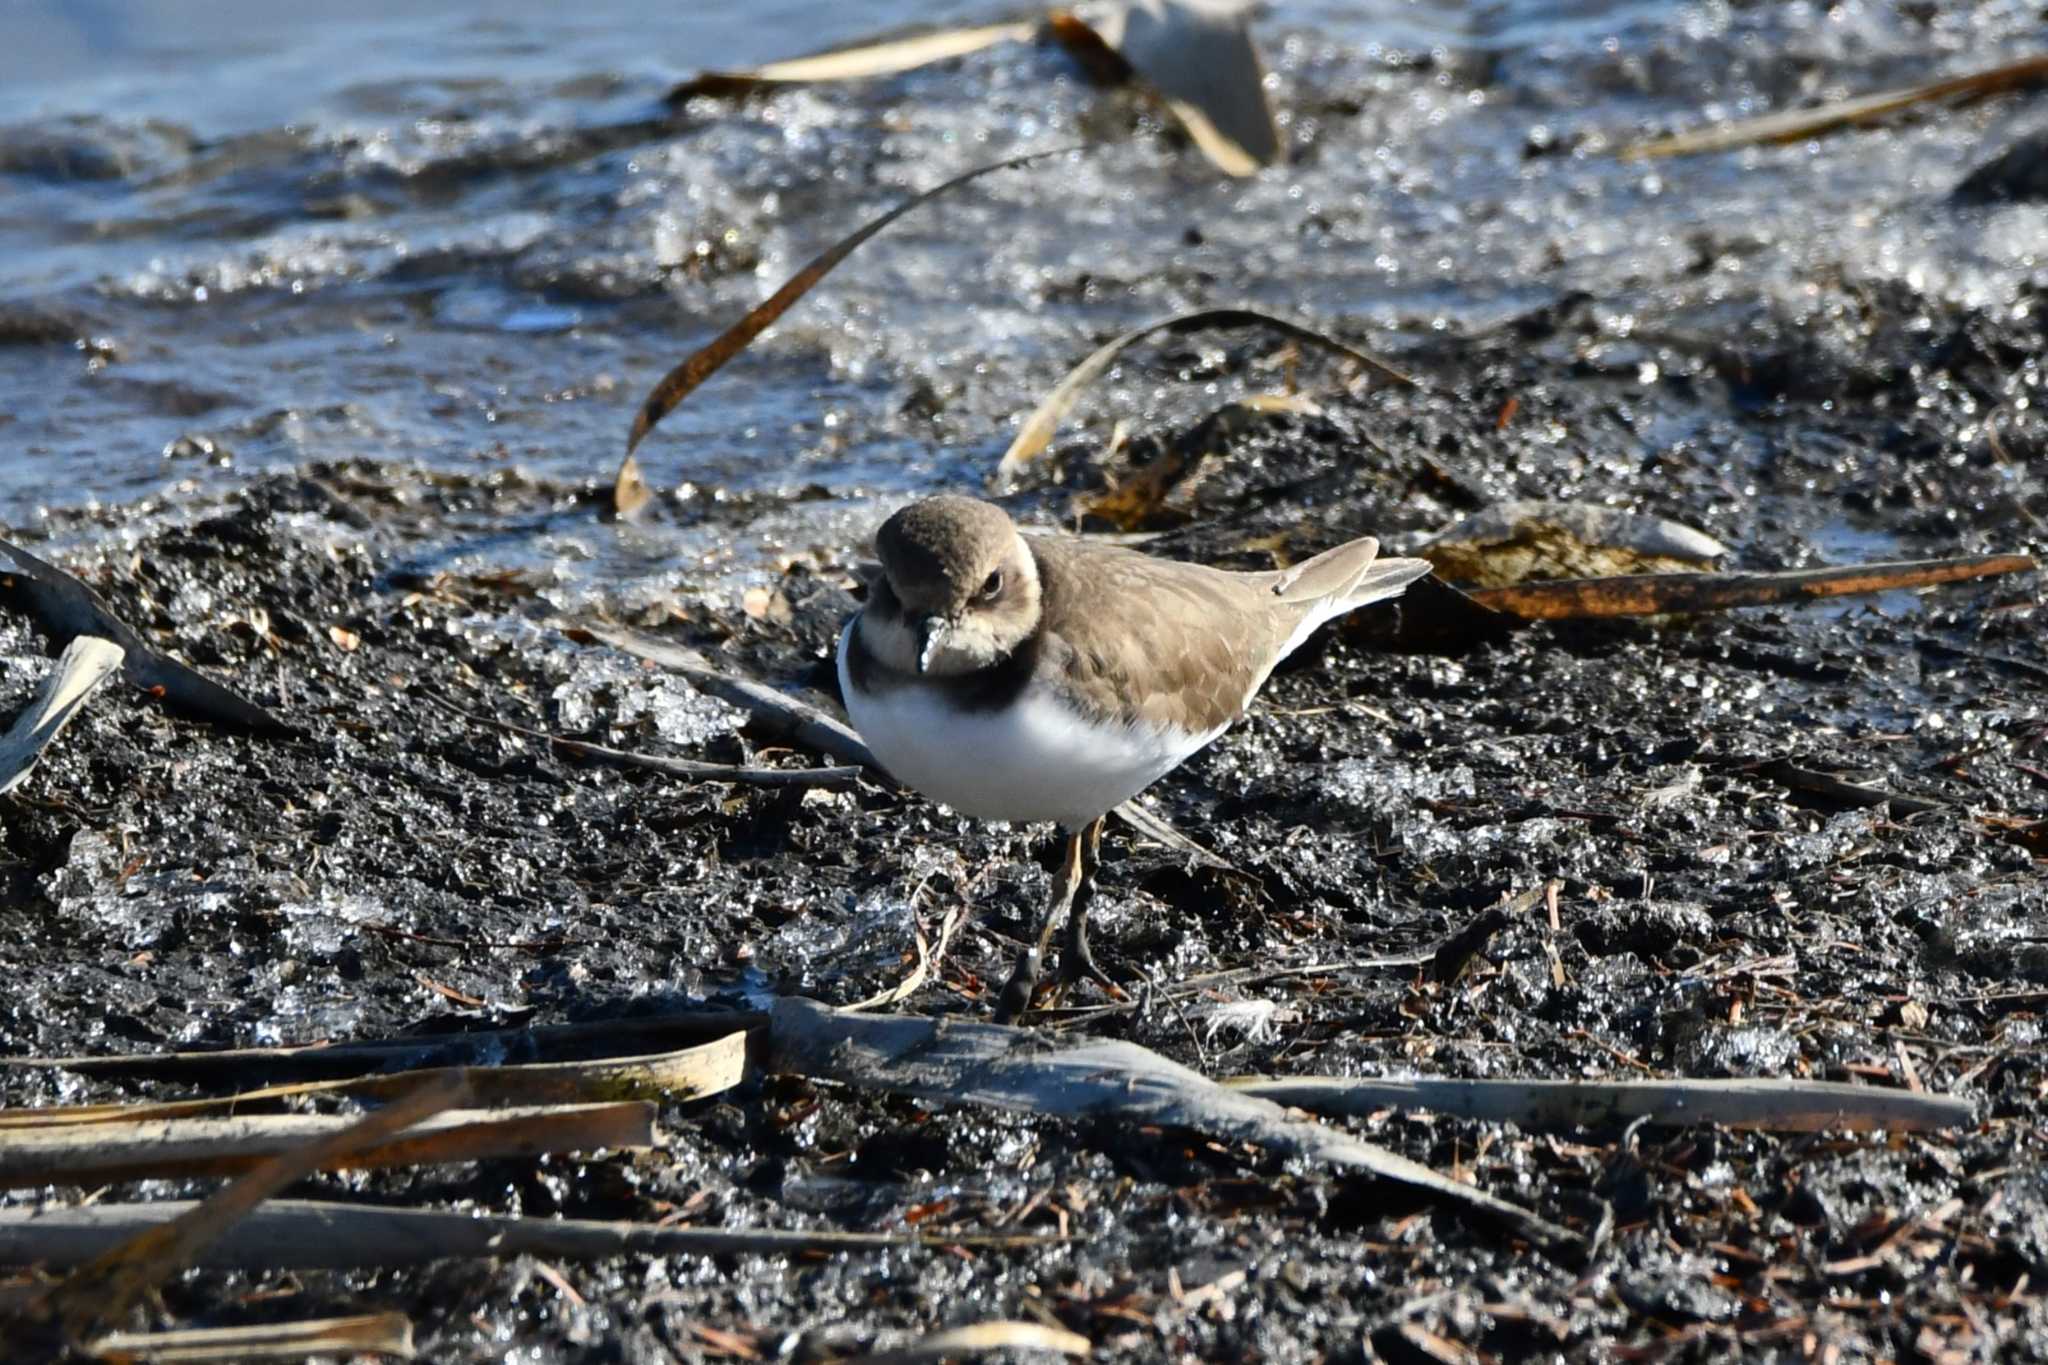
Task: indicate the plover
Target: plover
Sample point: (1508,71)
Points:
(1045,678)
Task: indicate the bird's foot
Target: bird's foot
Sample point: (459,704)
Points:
(1077,960)
(1018,990)
(1078,964)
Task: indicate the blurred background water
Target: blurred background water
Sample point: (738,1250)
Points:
(239,237)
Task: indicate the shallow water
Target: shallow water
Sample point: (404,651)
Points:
(236,241)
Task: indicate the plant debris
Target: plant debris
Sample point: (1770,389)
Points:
(1197,55)
(83,666)
(1794,125)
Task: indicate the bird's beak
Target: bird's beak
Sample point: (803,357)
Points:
(929,631)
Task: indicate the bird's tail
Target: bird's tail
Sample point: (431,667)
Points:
(1346,578)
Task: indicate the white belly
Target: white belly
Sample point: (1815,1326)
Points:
(1034,760)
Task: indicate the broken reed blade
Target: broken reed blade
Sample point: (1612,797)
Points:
(411,1055)
(1793,125)
(382,1334)
(103,1153)
(86,663)
(320,1235)
(114,1280)
(1768,1104)
(685,1074)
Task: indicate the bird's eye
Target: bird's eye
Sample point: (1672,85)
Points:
(992,586)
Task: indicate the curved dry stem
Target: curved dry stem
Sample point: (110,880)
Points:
(629,492)
(1037,432)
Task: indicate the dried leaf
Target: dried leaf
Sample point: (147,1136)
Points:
(1516,541)
(65,608)
(951,1061)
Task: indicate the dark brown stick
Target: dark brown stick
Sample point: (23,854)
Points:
(1666,594)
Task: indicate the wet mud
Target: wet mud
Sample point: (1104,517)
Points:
(1846,388)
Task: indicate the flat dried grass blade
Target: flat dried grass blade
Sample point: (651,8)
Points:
(1796,124)
(1569,599)
(978,1338)
(380,1334)
(309,1060)
(85,664)
(886,59)
(690,1073)
(1037,432)
(1786,1106)
(176,1148)
(1152,825)
(680,381)
(110,1285)
(291,1234)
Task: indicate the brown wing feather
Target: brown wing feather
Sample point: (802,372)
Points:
(1199,638)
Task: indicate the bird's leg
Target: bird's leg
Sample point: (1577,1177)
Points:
(1016,997)
(1077,963)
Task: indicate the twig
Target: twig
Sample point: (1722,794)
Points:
(1772,1105)
(1660,594)
(775,712)
(1255,975)
(1948,651)
(1789,774)
(316,1235)
(675,767)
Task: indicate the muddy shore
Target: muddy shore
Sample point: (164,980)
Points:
(399,865)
